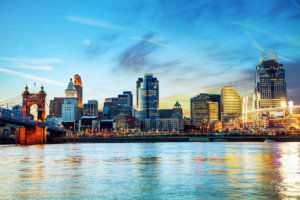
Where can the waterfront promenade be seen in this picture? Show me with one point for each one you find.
(143, 139)
(151, 139)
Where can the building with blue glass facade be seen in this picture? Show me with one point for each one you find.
(147, 90)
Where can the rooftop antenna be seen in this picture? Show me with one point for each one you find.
(34, 84)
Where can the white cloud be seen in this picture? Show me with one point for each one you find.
(87, 42)
(251, 26)
(32, 60)
(153, 41)
(95, 22)
(254, 42)
(257, 46)
(157, 42)
(23, 66)
(36, 78)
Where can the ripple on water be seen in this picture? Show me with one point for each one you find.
(151, 171)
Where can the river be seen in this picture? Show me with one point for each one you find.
(151, 171)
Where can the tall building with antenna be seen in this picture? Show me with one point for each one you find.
(270, 81)
(78, 86)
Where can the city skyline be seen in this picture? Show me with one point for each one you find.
(190, 47)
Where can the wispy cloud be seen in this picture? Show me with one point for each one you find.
(32, 60)
(251, 26)
(100, 45)
(137, 55)
(153, 41)
(95, 22)
(22, 66)
(28, 76)
(254, 42)
(259, 47)
(157, 42)
(87, 42)
(295, 3)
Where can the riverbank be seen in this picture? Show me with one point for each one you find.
(151, 139)
(174, 139)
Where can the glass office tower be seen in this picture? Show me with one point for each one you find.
(270, 81)
(147, 91)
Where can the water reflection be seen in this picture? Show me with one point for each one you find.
(151, 171)
(289, 185)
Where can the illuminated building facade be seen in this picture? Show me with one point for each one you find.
(110, 102)
(177, 111)
(205, 108)
(70, 106)
(118, 105)
(125, 98)
(170, 119)
(147, 90)
(55, 107)
(270, 81)
(90, 108)
(213, 111)
(231, 104)
(169, 124)
(78, 86)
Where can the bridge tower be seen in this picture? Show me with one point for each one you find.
(36, 134)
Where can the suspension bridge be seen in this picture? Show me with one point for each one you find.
(16, 111)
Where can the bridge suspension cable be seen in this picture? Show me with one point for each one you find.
(10, 103)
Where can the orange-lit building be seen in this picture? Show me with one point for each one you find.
(78, 86)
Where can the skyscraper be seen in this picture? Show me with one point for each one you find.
(90, 108)
(147, 90)
(111, 102)
(70, 106)
(78, 86)
(270, 81)
(205, 108)
(125, 99)
(55, 107)
(231, 104)
(130, 98)
(117, 106)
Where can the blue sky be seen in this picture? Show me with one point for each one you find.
(190, 46)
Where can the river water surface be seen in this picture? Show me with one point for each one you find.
(151, 171)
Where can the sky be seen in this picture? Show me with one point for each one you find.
(191, 46)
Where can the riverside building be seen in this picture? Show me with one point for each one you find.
(231, 104)
(147, 90)
(90, 108)
(270, 81)
(170, 119)
(70, 106)
(78, 86)
(205, 108)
